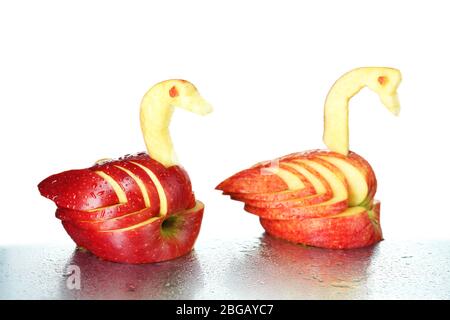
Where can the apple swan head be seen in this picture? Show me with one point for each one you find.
(385, 81)
(157, 107)
(186, 96)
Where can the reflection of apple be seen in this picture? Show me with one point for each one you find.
(302, 272)
(156, 239)
(101, 279)
(321, 198)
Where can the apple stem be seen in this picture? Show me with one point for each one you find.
(384, 81)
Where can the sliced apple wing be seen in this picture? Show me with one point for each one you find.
(132, 185)
(335, 205)
(261, 180)
(358, 173)
(173, 185)
(268, 183)
(371, 178)
(79, 190)
(354, 228)
(154, 240)
(117, 222)
(291, 176)
(146, 185)
(126, 187)
(322, 190)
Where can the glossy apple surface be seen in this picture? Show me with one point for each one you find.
(354, 228)
(153, 240)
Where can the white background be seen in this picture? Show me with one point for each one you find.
(72, 74)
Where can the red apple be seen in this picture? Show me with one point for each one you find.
(138, 208)
(154, 240)
(354, 228)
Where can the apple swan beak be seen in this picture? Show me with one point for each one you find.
(196, 104)
(392, 103)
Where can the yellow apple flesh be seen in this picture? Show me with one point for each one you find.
(383, 81)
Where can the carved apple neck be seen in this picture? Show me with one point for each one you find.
(383, 81)
(157, 107)
(156, 114)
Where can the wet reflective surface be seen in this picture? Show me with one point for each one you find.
(244, 268)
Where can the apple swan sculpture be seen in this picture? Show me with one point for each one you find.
(139, 208)
(322, 198)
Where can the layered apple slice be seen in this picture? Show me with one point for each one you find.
(267, 182)
(154, 239)
(118, 222)
(354, 228)
(81, 190)
(319, 190)
(359, 174)
(337, 182)
(330, 202)
(128, 185)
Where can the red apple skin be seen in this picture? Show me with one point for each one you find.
(144, 244)
(270, 197)
(148, 183)
(299, 213)
(281, 204)
(116, 210)
(252, 181)
(287, 202)
(352, 158)
(348, 232)
(360, 163)
(78, 190)
(174, 180)
(135, 199)
(290, 209)
(123, 221)
(101, 214)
